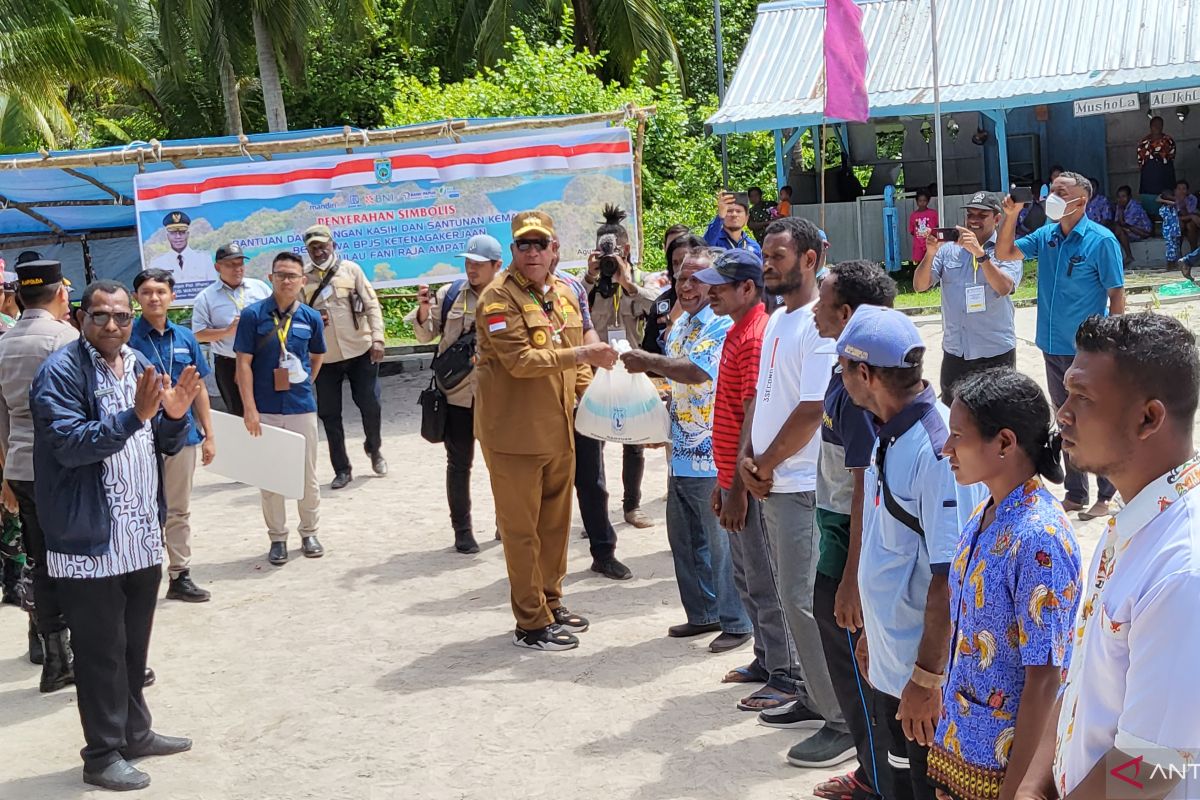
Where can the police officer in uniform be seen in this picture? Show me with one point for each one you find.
(533, 365)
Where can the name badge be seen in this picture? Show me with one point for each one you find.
(617, 335)
(326, 293)
(302, 326)
(976, 299)
(182, 350)
(106, 391)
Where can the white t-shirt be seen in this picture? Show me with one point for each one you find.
(791, 371)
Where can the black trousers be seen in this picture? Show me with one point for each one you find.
(909, 761)
(955, 368)
(1076, 482)
(110, 621)
(633, 466)
(460, 455)
(364, 389)
(855, 696)
(47, 609)
(225, 374)
(593, 496)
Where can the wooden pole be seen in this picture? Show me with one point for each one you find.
(639, 140)
(155, 152)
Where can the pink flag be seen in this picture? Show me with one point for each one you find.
(845, 62)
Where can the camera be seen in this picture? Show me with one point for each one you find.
(608, 247)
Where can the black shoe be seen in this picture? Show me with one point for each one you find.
(119, 776)
(378, 464)
(728, 641)
(58, 668)
(279, 554)
(791, 715)
(36, 654)
(825, 748)
(551, 637)
(465, 543)
(341, 480)
(611, 568)
(572, 622)
(150, 678)
(157, 745)
(311, 547)
(688, 629)
(182, 588)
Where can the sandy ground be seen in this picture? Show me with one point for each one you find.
(384, 670)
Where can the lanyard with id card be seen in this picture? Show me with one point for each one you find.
(617, 332)
(282, 374)
(976, 296)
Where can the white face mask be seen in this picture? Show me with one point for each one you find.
(1056, 207)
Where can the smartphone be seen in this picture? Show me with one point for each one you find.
(946, 234)
(1021, 194)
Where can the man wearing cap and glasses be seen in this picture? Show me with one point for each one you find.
(190, 267)
(451, 314)
(40, 331)
(978, 328)
(339, 290)
(532, 368)
(215, 315)
(912, 518)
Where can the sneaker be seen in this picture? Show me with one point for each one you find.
(825, 748)
(791, 715)
(611, 568)
(572, 622)
(551, 637)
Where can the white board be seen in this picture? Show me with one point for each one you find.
(273, 461)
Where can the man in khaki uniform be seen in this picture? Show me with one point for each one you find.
(533, 365)
(339, 290)
(451, 314)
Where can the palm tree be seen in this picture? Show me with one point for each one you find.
(203, 26)
(47, 46)
(481, 28)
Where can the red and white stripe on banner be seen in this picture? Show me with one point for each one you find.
(610, 147)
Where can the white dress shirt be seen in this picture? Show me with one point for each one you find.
(1131, 683)
(131, 484)
(192, 270)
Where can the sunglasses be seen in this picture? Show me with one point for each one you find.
(524, 245)
(102, 318)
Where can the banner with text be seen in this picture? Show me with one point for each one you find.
(404, 215)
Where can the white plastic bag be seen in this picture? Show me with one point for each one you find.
(622, 407)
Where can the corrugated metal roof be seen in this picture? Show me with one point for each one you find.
(992, 55)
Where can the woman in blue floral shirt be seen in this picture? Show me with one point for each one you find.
(1014, 589)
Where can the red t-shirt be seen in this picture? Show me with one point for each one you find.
(737, 380)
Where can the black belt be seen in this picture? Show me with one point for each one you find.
(227, 358)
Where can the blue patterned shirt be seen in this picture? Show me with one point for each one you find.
(700, 339)
(1014, 591)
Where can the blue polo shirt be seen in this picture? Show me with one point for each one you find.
(717, 236)
(1075, 273)
(170, 352)
(256, 335)
(896, 563)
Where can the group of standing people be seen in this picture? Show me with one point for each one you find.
(103, 416)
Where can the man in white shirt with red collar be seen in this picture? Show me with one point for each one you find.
(1129, 723)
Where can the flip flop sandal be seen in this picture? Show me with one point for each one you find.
(774, 698)
(841, 788)
(746, 674)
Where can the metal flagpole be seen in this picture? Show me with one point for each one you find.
(721, 90)
(937, 114)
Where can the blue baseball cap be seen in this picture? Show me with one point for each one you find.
(732, 266)
(881, 337)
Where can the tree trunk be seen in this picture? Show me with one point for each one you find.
(268, 75)
(585, 27)
(229, 96)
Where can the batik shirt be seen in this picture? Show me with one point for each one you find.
(1136, 647)
(1014, 589)
(699, 338)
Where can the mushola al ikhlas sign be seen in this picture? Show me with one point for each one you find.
(403, 215)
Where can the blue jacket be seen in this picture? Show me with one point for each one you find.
(71, 441)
